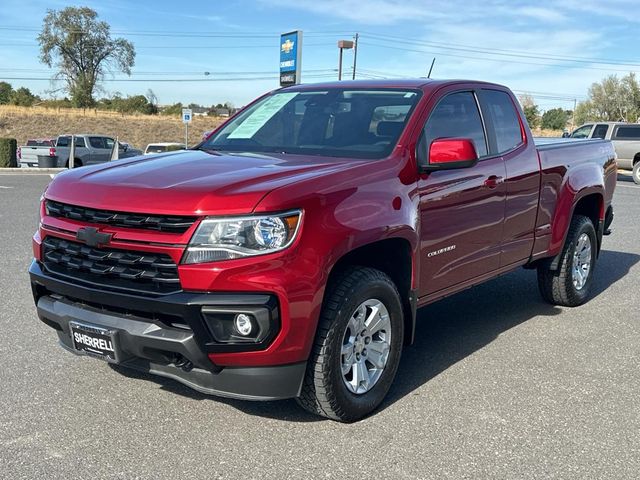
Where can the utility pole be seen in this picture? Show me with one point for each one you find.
(355, 55)
(573, 115)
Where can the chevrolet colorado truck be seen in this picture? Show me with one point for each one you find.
(287, 254)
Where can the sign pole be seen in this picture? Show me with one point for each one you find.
(187, 116)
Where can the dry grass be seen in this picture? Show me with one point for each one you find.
(539, 132)
(22, 123)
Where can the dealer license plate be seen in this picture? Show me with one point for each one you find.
(95, 341)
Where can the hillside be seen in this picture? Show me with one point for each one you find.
(138, 130)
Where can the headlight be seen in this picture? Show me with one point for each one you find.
(228, 238)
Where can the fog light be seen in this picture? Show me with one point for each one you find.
(243, 324)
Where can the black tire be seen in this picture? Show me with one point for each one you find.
(636, 172)
(324, 391)
(556, 286)
(76, 163)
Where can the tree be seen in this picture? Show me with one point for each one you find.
(555, 119)
(175, 109)
(80, 48)
(23, 97)
(585, 112)
(137, 103)
(613, 99)
(5, 92)
(153, 100)
(530, 110)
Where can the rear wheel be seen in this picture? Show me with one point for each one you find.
(636, 172)
(570, 283)
(357, 347)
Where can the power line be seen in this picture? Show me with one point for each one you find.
(184, 47)
(498, 60)
(177, 80)
(163, 33)
(204, 71)
(499, 51)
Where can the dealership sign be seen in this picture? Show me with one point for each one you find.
(290, 56)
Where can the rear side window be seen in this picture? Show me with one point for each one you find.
(600, 131)
(628, 132)
(457, 116)
(505, 119)
(96, 142)
(63, 141)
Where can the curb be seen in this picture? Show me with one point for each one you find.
(31, 170)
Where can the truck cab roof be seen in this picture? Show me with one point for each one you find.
(388, 83)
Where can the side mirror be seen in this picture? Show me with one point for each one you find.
(450, 153)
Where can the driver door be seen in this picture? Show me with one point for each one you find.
(462, 211)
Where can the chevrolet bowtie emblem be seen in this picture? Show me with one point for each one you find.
(92, 237)
(287, 46)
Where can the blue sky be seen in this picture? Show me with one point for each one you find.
(553, 49)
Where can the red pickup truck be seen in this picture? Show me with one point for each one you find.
(286, 255)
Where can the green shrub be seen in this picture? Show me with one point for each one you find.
(8, 147)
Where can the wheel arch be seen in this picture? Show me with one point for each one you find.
(394, 257)
(590, 203)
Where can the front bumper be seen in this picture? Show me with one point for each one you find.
(164, 335)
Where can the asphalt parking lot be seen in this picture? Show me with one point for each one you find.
(498, 385)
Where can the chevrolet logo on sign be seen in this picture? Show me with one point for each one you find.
(287, 46)
(92, 237)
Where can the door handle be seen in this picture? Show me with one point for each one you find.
(493, 181)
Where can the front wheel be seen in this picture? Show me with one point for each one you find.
(636, 172)
(570, 283)
(357, 347)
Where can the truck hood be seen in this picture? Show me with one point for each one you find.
(189, 182)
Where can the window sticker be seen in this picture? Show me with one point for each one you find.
(254, 122)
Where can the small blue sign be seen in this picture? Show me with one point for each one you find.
(187, 115)
(290, 55)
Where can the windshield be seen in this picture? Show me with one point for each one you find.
(334, 122)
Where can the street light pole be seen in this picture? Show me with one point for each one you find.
(342, 44)
(355, 56)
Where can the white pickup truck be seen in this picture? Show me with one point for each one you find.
(90, 149)
(625, 138)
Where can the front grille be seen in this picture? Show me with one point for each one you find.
(161, 223)
(113, 269)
